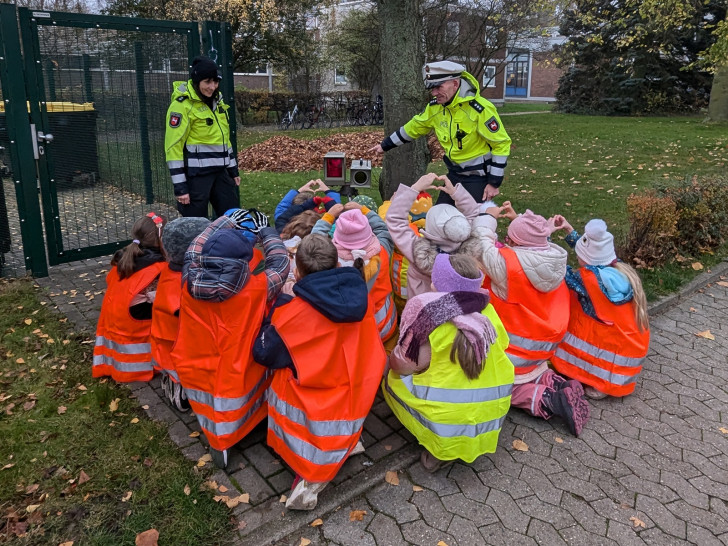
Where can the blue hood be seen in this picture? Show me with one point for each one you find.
(338, 294)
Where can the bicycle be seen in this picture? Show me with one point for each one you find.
(316, 116)
(290, 118)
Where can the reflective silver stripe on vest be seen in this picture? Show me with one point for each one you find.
(389, 326)
(497, 171)
(447, 430)
(602, 354)
(224, 428)
(101, 360)
(519, 362)
(207, 148)
(175, 164)
(381, 313)
(478, 160)
(532, 344)
(207, 162)
(317, 428)
(305, 450)
(456, 396)
(219, 403)
(179, 178)
(611, 377)
(124, 348)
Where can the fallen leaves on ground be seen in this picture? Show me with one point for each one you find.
(637, 522)
(391, 477)
(194, 434)
(187, 490)
(706, 334)
(232, 502)
(317, 522)
(722, 283)
(357, 515)
(114, 404)
(206, 458)
(441, 543)
(723, 430)
(67, 543)
(147, 538)
(697, 266)
(520, 445)
(304, 542)
(558, 440)
(285, 154)
(83, 478)
(126, 496)
(62, 410)
(417, 488)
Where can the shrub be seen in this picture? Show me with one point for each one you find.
(676, 219)
(652, 230)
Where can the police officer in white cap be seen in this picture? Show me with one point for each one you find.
(468, 127)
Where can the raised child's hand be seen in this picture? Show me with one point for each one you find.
(507, 211)
(352, 205)
(337, 209)
(426, 182)
(559, 222)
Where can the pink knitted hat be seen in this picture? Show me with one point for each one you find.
(530, 230)
(352, 231)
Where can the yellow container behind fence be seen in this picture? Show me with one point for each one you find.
(61, 106)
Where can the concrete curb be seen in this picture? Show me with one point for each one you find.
(293, 520)
(703, 279)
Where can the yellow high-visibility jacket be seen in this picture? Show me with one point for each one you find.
(197, 137)
(468, 128)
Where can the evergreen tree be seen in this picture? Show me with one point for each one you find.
(632, 57)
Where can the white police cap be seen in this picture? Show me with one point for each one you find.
(435, 73)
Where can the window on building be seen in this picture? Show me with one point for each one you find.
(340, 77)
(489, 76)
(490, 38)
(517, 75)
(452, 31)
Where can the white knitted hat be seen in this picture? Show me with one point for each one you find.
(446, 226)
(596, 246)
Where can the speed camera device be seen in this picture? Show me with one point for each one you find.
(361, 173)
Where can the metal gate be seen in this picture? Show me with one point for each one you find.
(91, 137)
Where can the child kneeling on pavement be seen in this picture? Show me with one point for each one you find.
(329, 358)
(450, 380)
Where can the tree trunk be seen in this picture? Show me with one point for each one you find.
(402, 90)
(718, 107)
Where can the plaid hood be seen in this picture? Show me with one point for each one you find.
(216, 263)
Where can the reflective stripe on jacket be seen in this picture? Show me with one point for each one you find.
(609, 356)
(214, 362)
(316, 418)
(536, 321)
(380, 290)
(123, 349)
(165, 320)
(197, 140)
(452, 416)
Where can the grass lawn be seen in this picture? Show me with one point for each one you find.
(58, 430)
(579, 166)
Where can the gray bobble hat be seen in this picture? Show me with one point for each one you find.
(177, 236)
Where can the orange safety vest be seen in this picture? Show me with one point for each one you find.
(122, 347)
(315, 420)
(398, 269)
(535, 321)
(165, 320)
(607, 357)
(380, 289)
(213, 357)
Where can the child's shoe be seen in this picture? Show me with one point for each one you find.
(220, 458)
(431, 463)
(305, 495)
(591, 392)
(569, 404)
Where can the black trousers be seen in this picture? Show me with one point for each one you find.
(475, 189)
(216, 188)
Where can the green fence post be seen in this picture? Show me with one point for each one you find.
(143, 122)
(88, 83)
(21, 144)
(51, 80)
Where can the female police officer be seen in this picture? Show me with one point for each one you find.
(200, 156)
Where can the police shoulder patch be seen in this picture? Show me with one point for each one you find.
(175, 119)
(476, 106)
(492, 125)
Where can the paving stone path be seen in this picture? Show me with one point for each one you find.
(651, 468)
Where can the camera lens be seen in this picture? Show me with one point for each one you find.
(360, 177)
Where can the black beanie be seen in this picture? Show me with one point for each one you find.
(177, 236)
(202, 69)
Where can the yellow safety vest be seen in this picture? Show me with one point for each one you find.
(451, 416)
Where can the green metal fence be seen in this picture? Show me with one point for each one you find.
(98, 88)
